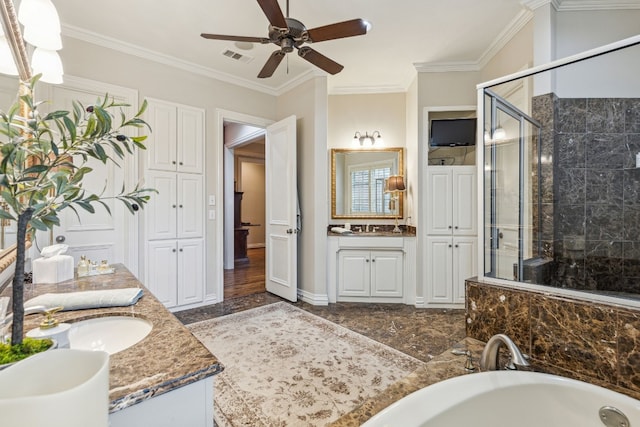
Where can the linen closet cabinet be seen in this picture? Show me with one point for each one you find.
(174, 217)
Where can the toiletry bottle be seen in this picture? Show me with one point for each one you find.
(83, 266)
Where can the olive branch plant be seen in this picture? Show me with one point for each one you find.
(44, 161)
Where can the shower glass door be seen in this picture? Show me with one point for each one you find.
(510, 176)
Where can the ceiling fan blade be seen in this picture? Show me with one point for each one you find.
(354, 27)
(319, 60)
(235, 38)
(273, 12)
(271, 64)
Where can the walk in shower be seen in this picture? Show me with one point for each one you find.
(561, 178)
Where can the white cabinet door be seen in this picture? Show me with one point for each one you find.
(464, 264)
(386, 273)
(161, 144)
(190, 206)
(353, 273)
(162, 271)
(161, 211)
(190, 150)
(439, 201)
(190, 271)
(464, 201)
(440, 269)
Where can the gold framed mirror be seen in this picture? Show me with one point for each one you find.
(358, 183)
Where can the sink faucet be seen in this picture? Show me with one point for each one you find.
(5, 321)
(489, 358)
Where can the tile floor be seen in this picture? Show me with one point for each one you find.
(421, 333)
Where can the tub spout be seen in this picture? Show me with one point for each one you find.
(490, 355)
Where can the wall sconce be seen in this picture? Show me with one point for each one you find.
(41, 29)
(395, 184)
(371, 139)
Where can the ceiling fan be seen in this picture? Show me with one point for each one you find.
(289, 33)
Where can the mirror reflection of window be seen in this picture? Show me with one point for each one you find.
(367, 188)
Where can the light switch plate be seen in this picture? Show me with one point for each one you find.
(212, 200)
(212, 214)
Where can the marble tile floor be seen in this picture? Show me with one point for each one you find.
(421, 333)
(426, 334)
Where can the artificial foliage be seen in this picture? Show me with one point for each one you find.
(43, 161)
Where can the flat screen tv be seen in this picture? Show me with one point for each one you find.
(453, 132)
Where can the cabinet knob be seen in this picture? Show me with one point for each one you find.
(449, 227)
(373, 260)
(173, 162)
(449, 245)
(173, 250)
(456, 227)
(456, 246)
(180, 206)
(367, 260)
(173, 206)
(181, 163)
(181, 250)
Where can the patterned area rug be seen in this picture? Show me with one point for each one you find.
(287, 367)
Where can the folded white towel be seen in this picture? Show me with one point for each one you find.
(87, 299)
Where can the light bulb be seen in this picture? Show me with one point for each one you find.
(41, 24)
(7, 64)
(49, 64)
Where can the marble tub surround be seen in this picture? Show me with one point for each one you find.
(592, 342)
(166, 359)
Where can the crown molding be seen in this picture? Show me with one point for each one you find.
(582, 5)
(131, 49)
(509, 32)
(498, 43)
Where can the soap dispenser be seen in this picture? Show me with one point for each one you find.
(50, 328)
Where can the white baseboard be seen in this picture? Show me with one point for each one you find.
(313, 299)
(420, 302)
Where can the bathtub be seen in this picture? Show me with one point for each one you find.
(509, 398)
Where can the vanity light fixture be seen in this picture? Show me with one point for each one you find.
(395, 184)
(370, 139)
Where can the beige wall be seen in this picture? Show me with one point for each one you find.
(516, 55)
(367, 113)
(253, 200)
(155, 80)
(308, 102)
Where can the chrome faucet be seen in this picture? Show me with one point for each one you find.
(490, 355)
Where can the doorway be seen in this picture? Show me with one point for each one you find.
(244, 247)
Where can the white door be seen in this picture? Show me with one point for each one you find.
(354, 273)
(161, 211)
(190, 206)
(190, 271)
(464, 201)
(191, 130)
(282, 232)
(100, 236)
(440, 269)
(439, 194)
(464, 264)
(162, 271)
(386, 273)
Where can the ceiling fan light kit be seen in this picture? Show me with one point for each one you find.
(289, 34)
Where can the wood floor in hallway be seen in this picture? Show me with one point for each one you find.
(246, 278)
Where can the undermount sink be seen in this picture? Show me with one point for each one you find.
(111, 334)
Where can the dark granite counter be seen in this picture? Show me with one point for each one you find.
(168, 358)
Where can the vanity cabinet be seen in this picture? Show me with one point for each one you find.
(363, 273)
(177, 141)
(363, 268)
(174, 217)
(451, 240)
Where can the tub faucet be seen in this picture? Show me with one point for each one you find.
(490, 355)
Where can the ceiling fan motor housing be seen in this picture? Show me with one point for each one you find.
(288, 38)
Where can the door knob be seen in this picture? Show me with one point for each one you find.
(289, 231)
(60, 239)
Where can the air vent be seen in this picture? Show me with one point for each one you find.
(237, 56)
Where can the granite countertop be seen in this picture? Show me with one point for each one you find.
(168, 358)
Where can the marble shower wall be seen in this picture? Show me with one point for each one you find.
(593, 342)
(591, 191)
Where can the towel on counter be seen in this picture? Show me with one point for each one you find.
(87, 299)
